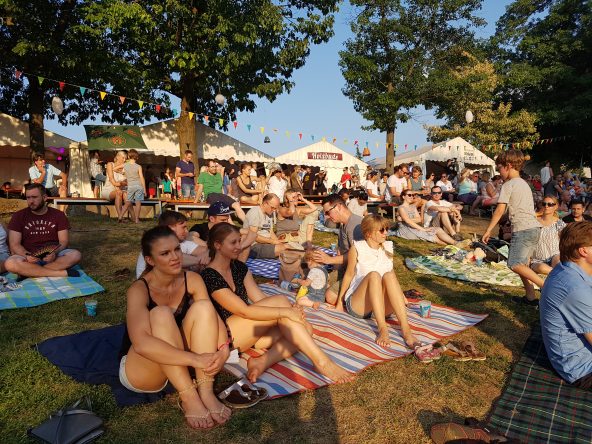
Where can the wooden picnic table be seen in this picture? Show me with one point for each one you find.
(100, 203)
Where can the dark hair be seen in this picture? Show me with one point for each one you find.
(362, 195)
(151, 236)
(268, 197)
(344, 191)
(576, 202)
(188, 152)
(244, 165)
(333, 199)
(573, 237)
(436, 186)
(133, 154)
(38, 156)
(169, 217)
(36, 186)
(218, 233)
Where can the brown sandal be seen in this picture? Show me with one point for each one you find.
(476, 355)
(455, 353)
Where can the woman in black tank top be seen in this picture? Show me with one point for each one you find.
(171, 325)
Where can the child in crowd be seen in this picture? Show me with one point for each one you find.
(317, 283)
(136, 186)
(166, 181)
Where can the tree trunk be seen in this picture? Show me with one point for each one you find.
(390, 151)
(36, 140)
(186, 129)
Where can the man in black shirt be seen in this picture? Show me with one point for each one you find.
(218, 212)
(577, 212)
(232, 169)
(308, 181)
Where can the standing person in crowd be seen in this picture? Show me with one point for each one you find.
(321, 183)
(516, 196)
(566, 317)
(43, 173)
(345, 180)
(295, 181)
(489, 192)
(553, 187)
(372, 187)
(185, 169)
(97, 178)
(546, 173)
(294, 222)
(546, 253)
(38, 239)
(259, 220)
(136, 187)
(254, 319)
(396, 183)
(576, 213)
(166, 181)
(277, 184)
(172, 328)
(308, 182)
(467, 186)
(370, 286)
(446, 186)
(116, 182)
(443, 214)
(411, 226)
(246, 190)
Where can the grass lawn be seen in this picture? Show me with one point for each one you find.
(394, 402)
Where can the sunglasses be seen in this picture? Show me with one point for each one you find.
(410, 195)
(382, 230)
(548, 204)
(329, 210)
(406, 173)
(436, 192)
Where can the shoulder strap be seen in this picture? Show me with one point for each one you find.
(147, 288)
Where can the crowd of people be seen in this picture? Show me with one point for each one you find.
(195, 299)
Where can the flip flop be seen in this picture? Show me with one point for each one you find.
(236, 397)
(476, 355)
(451, 432)
(424, 353)
(455, 353)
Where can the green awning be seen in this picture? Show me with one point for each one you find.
(114, 137)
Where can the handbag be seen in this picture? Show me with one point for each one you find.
(71, 425)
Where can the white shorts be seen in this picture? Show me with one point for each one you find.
(125, 382)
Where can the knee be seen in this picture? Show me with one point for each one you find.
(279, 301)
(201, 309)
(374, 276)
(389, 275)
(13, 263)
(74, 255)
(161, 316)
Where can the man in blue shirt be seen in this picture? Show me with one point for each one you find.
(186, 171)
(566, 307)
(44, 174)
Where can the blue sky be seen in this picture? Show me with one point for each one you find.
(316, 106)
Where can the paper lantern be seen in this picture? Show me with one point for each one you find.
(220, 99)
(57, 105)
(366, 152)
(469, 116)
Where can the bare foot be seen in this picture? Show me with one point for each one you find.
(255, 367)
(220, 413)
(196, 414)
(411, 341)
(383, 337)
(335, 373)
(316, 305)
(329, 306)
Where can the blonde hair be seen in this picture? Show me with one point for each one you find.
(466, 172)
(556, 201)
(372, 223)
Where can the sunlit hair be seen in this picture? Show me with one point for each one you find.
(170, 217)
(218, 233)
(150, 237)
(514, 157)
(555, 201)
(133, 154)
(573, 237)
(121, 155)
(464, 174)
(416, 169)
(486, 175)
(372, 223)
(288, 191)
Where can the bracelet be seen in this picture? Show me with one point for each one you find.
(225, 344)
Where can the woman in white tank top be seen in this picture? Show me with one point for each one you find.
(370, 286)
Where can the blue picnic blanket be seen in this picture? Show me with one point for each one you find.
(270, 268)
(39, 291)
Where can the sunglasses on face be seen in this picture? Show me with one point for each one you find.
(406, 173)
(434, 193)
(329, 210)
(548, 204)
(382, 230)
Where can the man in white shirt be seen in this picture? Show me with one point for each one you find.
(372, 187)
(443, 214)
(546, 173)
(396, 183)
(44, 173)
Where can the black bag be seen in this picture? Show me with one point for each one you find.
(490, 249)
(70, 425)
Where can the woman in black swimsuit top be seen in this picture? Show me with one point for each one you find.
(171, 325)
(254, 319)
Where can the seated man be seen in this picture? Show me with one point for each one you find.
(442, 213)
(566, 307)
(259, 221)
(220, 212)
(210, 183)
(38, 239)
(577, 212)
(194, 256)
(44, 173)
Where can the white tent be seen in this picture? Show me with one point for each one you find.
(324, 155)
(465, 153)
(16, 158)
(161, 138)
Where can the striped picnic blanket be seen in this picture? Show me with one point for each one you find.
(538, 406)
(320, 227)
(270, 268)
(350, 343)
(39, 291)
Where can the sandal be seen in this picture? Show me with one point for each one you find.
(476, 355)
(242, 394)
(455, 353)
(187, 416)
(451, 432)
(424, 353)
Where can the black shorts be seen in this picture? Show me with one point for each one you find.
(52, 192)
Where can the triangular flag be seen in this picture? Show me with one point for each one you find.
(355, 142)
(140, 103)
(287, 133)
(102, 94)
(122, 99)
(324, 138)
(82, 90)
(397, 146)
(221, 122)
(345, 141)
(157, 108)
(376, 144)
(366, 144)
(40, 79)
(190, 115)
(206, 118)
(18, 74)
(62, 85)
(300, 136)
(415, 147)
(312, 137)
(334, 140)
(249, 127)
(262, 129)
(235, 123)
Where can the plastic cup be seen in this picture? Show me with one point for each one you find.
(479, 262)
(91, 307)
(334, 247)
(425, 309)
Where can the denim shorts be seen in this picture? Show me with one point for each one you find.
(522, 246)
(188, 190)
(351, 312)
(135, 193)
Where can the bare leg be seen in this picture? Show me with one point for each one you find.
(445, 221)
(476, 204)
(125, 208)
(444, 237)
(541, 268)
(528, 277)
(137, 208)
(396, 304)
(306, 302)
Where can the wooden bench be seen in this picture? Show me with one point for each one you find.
(384, 208)
(100, 203)
(11, 193)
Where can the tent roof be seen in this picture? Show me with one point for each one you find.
(440, 152)
(15, 132)
(161, 138)
(301, 156)
(114, 137)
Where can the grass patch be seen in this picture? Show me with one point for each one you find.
(397, 401)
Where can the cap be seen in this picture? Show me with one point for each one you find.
(219, 209)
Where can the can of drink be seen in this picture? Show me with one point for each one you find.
(425, 309)
(286, 285)
(334, 247)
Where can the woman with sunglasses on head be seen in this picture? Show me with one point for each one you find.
(296, 223)
(546, 254)
(370, 286)
(254, 319)
(411, 224)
